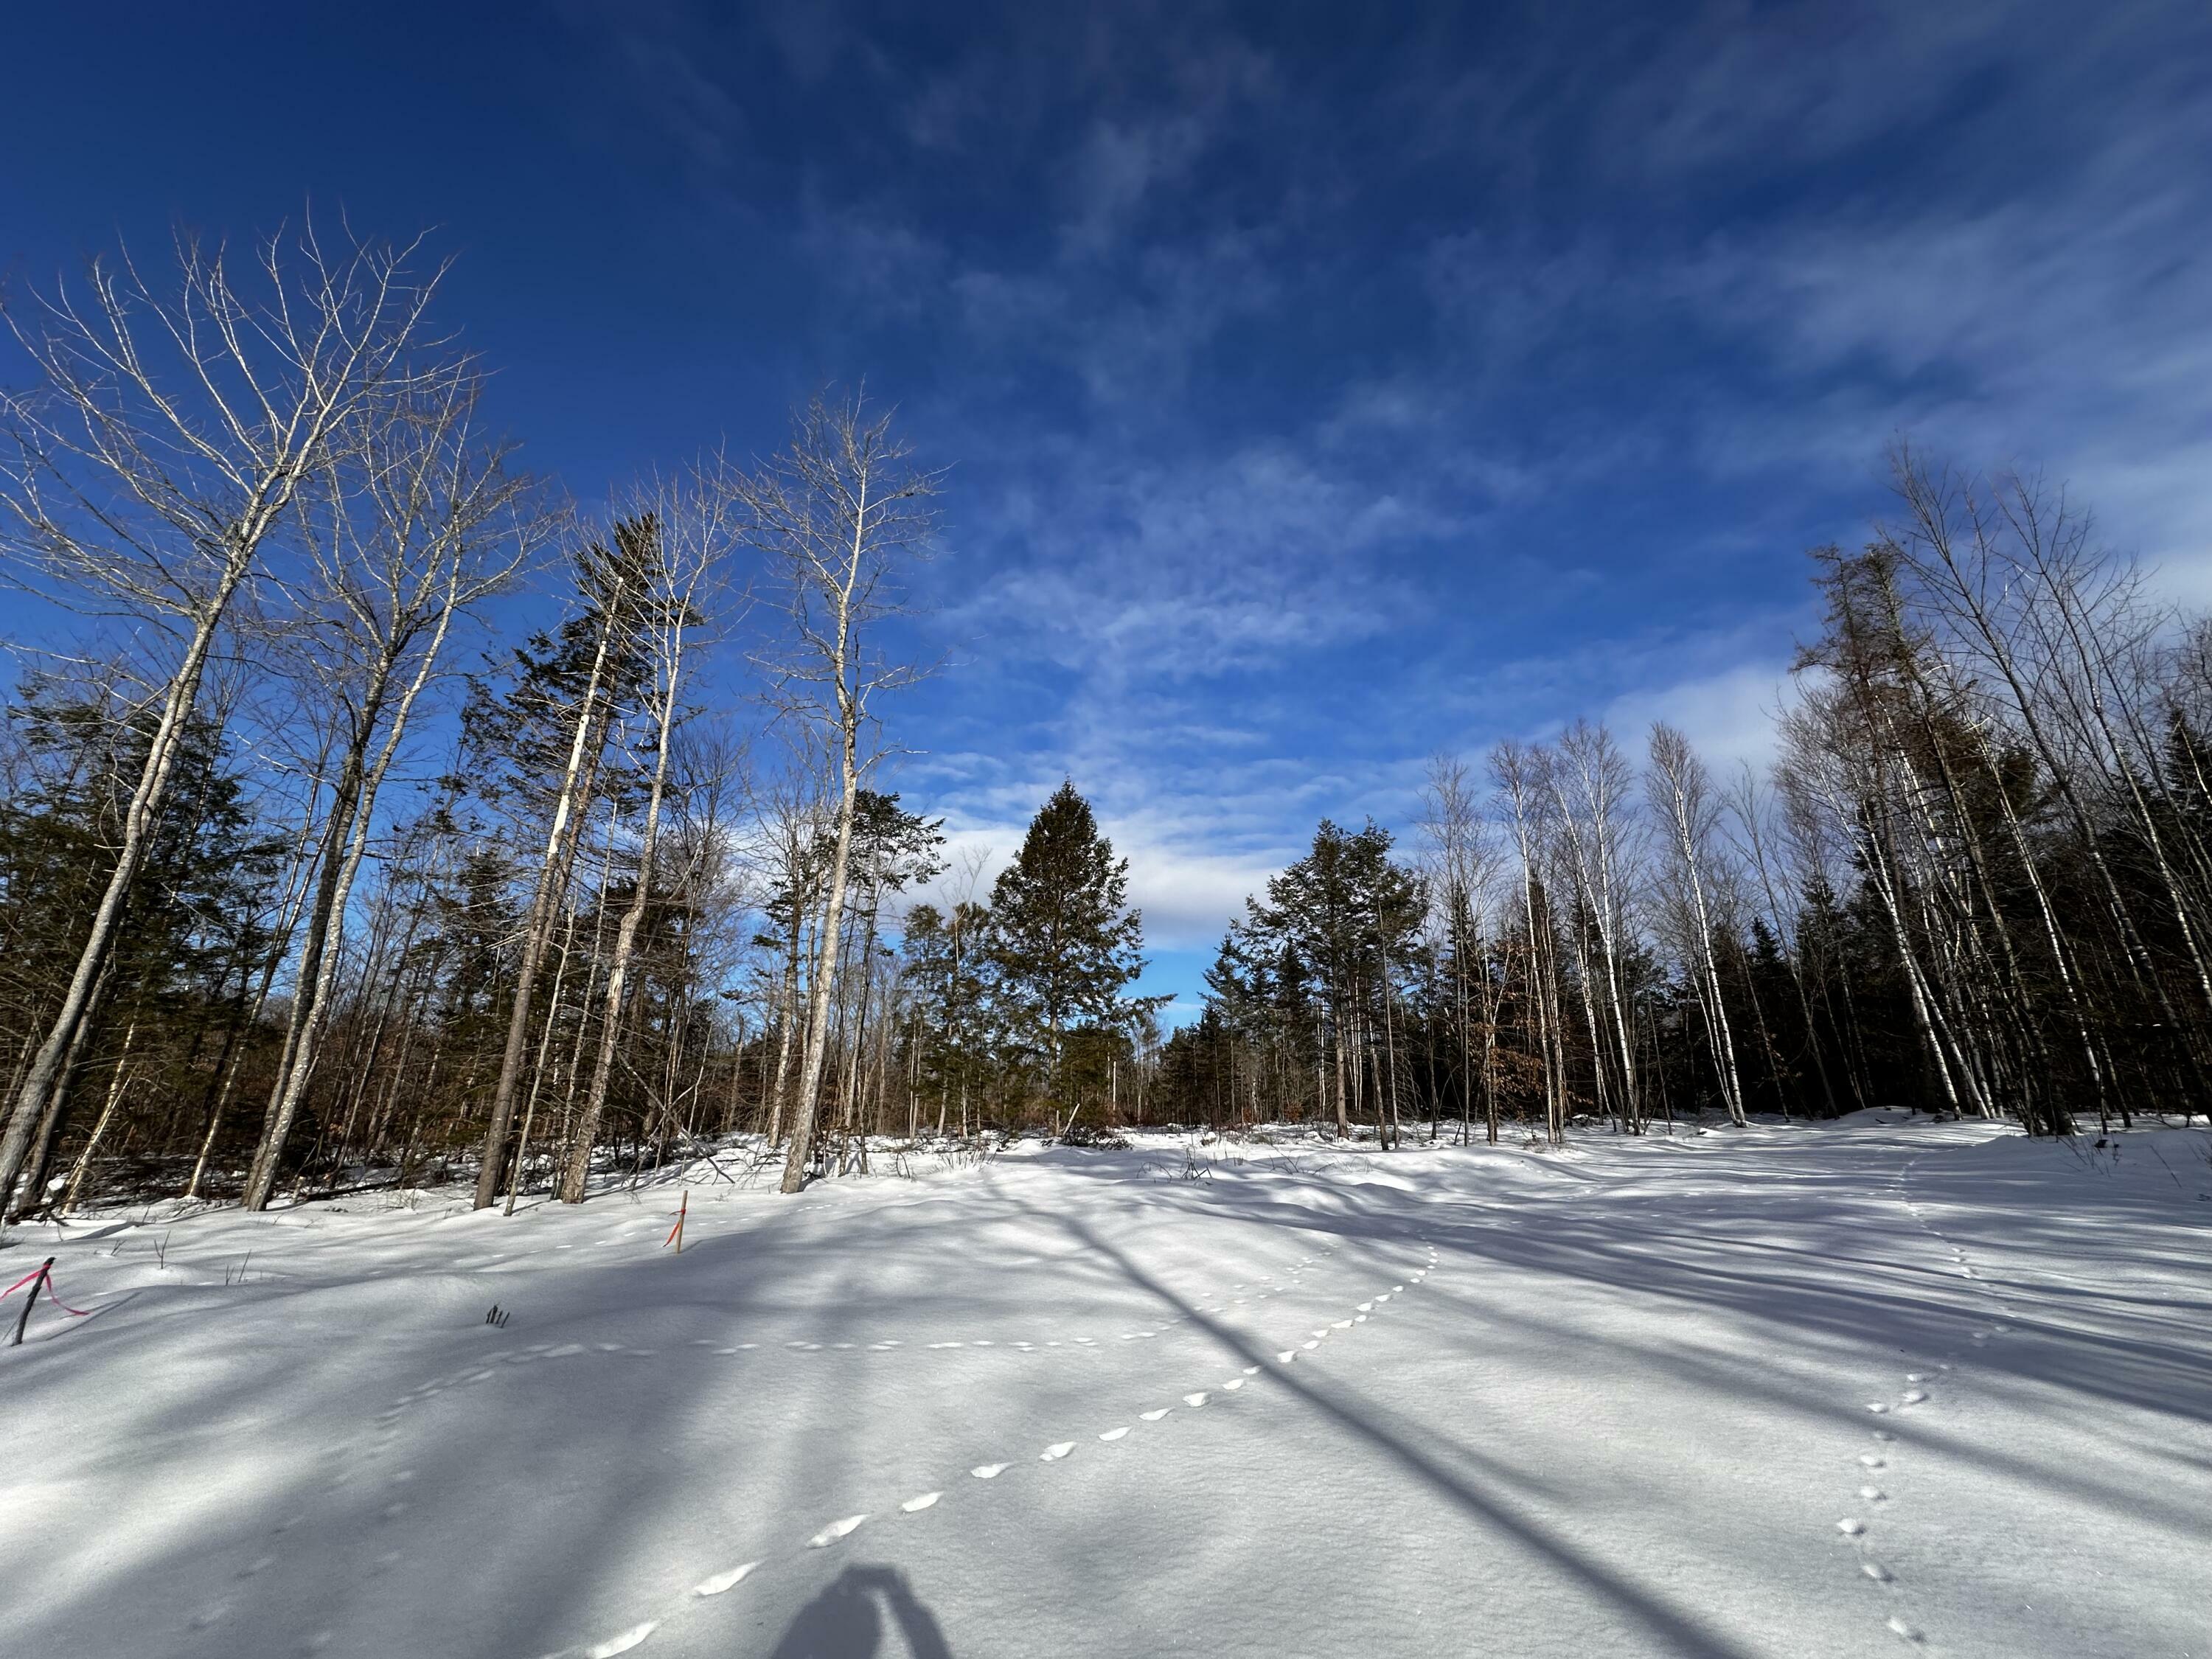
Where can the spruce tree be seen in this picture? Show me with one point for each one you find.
(946, 968)
(195, 928)
(1064, 942)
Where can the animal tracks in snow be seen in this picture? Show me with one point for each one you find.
(1206, 1303)
(835, 1531)
(386, 1425)
(1915, 1393)
(723, 1581)
(1060, 1451)
(634, 1636)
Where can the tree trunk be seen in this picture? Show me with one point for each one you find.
(146, 795)
(539, 926)
(588, 1128)
(115, 1089)
(353, 810)
(826, 969)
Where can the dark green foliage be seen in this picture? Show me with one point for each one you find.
(195, 913)
(518, 726)
(199, 926)
(1313, 1000)
(949, 975)
(1064, 943)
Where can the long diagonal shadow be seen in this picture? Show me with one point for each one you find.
(1676, 1629)
(2105, 1367)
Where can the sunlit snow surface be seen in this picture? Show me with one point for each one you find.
(1780, 1391)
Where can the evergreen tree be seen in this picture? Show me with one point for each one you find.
(194, 914)
(945, 967)
(1349, 916)
(195, 927)
(1064, 943)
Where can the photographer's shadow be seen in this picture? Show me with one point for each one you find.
(847, 1620)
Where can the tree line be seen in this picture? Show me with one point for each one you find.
(308, 880)
(1978, 879)
(313, 874)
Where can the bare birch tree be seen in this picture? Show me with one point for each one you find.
(838, 511)
(790, 818)
(1588, 779)
(609, 584)
(1681, 796)
(1464, 860)
(168, 442)
(1519, 773)
(418, 525)
(692, 535)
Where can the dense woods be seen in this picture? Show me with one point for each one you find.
(1976, 881)
(365, 817)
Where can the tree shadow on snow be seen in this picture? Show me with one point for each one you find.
(1669, 1629)
(847, 1620)
(1793, 1257)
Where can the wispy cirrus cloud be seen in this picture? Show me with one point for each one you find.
(1319, 403)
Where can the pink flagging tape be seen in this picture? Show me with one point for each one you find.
(20, 1283)
(82, 1313)
(676, 1233)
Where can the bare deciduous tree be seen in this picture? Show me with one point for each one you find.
(416, 525)
(692, 535)
(611, 586)
(1464, 854)
(172, 431)
(838, 511)
(1681, 796)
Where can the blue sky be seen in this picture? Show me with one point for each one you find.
(1324, 386)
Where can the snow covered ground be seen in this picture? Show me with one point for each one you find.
(1780, 1391)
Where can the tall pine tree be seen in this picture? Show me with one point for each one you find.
(1064, 942)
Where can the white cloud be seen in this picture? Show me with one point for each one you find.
(1146, 572)
(1116, 168)
(1188, 889)
(1727, 716)
(1138, 527)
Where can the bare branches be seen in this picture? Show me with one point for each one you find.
(416, 523)
(694, 530)
(172, 434)
(174, 423)
(1681, 796)
(838, 513)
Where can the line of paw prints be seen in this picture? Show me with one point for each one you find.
(385, 1428)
